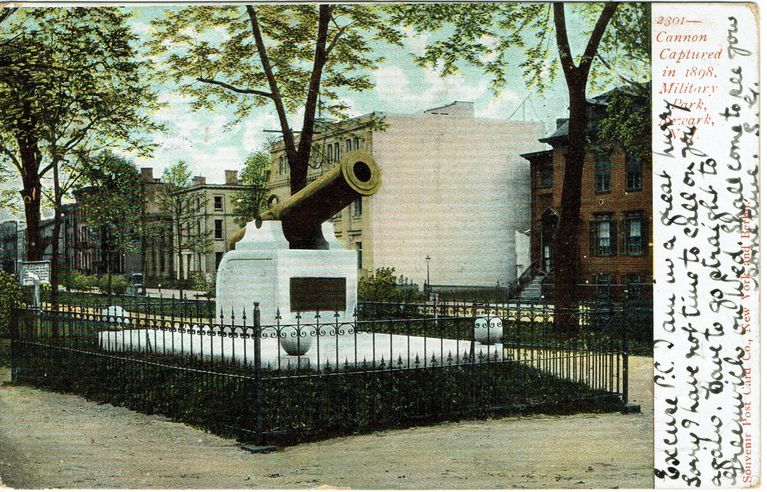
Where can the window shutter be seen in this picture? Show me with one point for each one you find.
(613, 237)
(593, 238)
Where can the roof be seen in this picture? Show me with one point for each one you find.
(602, 100)
(561, 132)
(539, 153)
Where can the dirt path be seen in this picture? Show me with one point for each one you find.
(48, 440)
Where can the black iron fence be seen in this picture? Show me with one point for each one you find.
(306, 376)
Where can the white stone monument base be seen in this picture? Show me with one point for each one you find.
(334, 352)
(260, 270)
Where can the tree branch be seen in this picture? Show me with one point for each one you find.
(563, 43)
(320, 57)
(287, 134)
(236, 89)
(596, 36)
(624, 79)
(6, 12)
(13, 157)
(336, 37)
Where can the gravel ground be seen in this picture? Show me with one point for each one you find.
(50, 440)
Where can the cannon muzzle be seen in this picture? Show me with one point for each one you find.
(302, 214)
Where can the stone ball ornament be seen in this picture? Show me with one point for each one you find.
(116, 314)
(488, 331)
(295, 343)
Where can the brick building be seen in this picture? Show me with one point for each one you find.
(615, 233)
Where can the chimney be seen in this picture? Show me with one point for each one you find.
(231, 177)
(198, 180)
(147, 174)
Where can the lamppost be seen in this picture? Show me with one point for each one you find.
(428, 279)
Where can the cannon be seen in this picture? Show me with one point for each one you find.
(302, 214)
(282, 261)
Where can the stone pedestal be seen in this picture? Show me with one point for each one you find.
(263, 269)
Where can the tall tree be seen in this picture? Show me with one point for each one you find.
(111, 193)
(185, 209)
(288, 56)
(486, 35)
(254, 175)
(73, 86)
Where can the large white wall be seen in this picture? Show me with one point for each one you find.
(456, 189)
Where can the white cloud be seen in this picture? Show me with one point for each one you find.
(415, 42)
(399, 88)
(501, 106)
(252, 135)
(453, 87)
(141, 28)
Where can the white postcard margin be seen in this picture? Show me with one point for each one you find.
(706, 241)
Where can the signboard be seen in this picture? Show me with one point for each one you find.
(40, 268)
(317, 294)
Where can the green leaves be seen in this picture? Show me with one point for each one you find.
(492, 35)
(112, 195)
(210, 52)
(71, 85)
(255, 175)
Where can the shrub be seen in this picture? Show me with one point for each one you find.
(201, 283)
(382, 286)
(11, 296)
(116, 285)
(80, 281)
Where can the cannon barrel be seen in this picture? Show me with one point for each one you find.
(302, 214)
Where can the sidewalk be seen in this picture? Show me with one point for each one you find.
(49, 440)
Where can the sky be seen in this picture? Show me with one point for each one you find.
(199, 137)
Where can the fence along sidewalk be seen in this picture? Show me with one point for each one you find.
(375, 371)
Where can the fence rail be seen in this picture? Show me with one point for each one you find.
(297, 377)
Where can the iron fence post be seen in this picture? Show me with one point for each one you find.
(257, 366)
(625, 360)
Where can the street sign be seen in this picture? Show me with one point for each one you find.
(40, 268)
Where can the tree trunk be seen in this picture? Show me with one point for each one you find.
(567, 257)
(55, 241)
(31, 196)
(312, 238)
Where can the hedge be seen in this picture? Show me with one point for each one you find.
(303, 406)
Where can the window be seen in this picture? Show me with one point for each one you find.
(634, 174)
(357, 207)
(219, 256)
(329, 152)
(218, 202)
(283, 166)
(336, 152)
(545, 175)
(602, 235)
(357, 141)
(634, 234)
(219, 230)
(602, 174)
(359, 255)
(632, 282)
(602, 283)
(348, 144)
